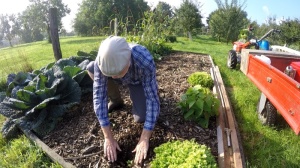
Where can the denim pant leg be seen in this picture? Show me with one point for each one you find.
(137, 96)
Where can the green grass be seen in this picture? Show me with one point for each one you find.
(22, 153)
(39, 54)
(264, 147)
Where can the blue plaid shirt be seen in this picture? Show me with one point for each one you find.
(141, 71)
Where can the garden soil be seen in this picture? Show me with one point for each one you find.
(79, 140)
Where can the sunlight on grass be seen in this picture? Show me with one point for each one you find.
(39, 54)
(22, 153)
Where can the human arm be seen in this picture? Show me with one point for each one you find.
(110, 144)
(142, 147)
(144, 61)
(100, 106)
(152, 111)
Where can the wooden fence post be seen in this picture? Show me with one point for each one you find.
(54, 33)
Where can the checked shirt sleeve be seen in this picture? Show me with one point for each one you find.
(145, 60)
(100, 96)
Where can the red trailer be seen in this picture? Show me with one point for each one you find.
(277, 76)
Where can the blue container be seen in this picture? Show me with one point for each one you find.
(264, 45)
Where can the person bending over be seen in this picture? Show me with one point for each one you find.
(117, 63)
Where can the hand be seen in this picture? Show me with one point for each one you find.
(110, 146)
(141, 151)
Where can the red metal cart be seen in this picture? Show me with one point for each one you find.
(277, 76)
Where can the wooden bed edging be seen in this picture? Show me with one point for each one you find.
(51, 153)
(230, 151)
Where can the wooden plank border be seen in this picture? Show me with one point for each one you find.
(230, 151)
(51, 153)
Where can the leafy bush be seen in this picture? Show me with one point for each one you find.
(37, 100)
(171, 39)
(199, 104)
(183, 154)
(156, 47)
(152, 35)
(201, 78)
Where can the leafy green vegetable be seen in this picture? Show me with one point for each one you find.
(10, 129)
(37, 101)
(201, 78)
(183, 154)
(199, 104)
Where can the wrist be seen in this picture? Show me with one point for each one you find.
(107, 133)
(146, 134)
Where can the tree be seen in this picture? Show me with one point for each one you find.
(163, 10)
(164, 17)
(37, 15)
(228, 20)
(8, 27)
(290, 30)
(216, 24)
(101, 13)
(188, 17)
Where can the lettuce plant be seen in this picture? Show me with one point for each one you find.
(201, 78)
(199, 104)
(37, 100)
(183, 154)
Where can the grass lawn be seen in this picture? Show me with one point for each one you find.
(263, 146)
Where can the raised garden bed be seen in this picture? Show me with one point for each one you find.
(78, 138)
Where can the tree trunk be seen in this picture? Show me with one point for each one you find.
(54, 34)
(9, 40)
(10, 43)
(49, 33)
(190, 36)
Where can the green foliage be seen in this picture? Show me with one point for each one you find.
(8, 28)
(37, 55)
(188, 16)
(35, 19)
(290, 31)
(171, 39)
(22, 153)
(152, 36)
(199, 104)
(101, 14)
(93, 54)
(157, 47)
(227, 20)
(36, 101)
(201, 78)
(183, 154)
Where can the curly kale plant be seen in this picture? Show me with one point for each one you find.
(201, 78)
(199, 104)
(183, 154)
(37, 101)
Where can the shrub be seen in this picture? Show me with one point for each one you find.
(171, 39)
(152, 35)
(199, 104)
(201, 78)
(183, 154)
(156, 46)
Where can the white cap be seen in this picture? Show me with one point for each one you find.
(113, 56)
